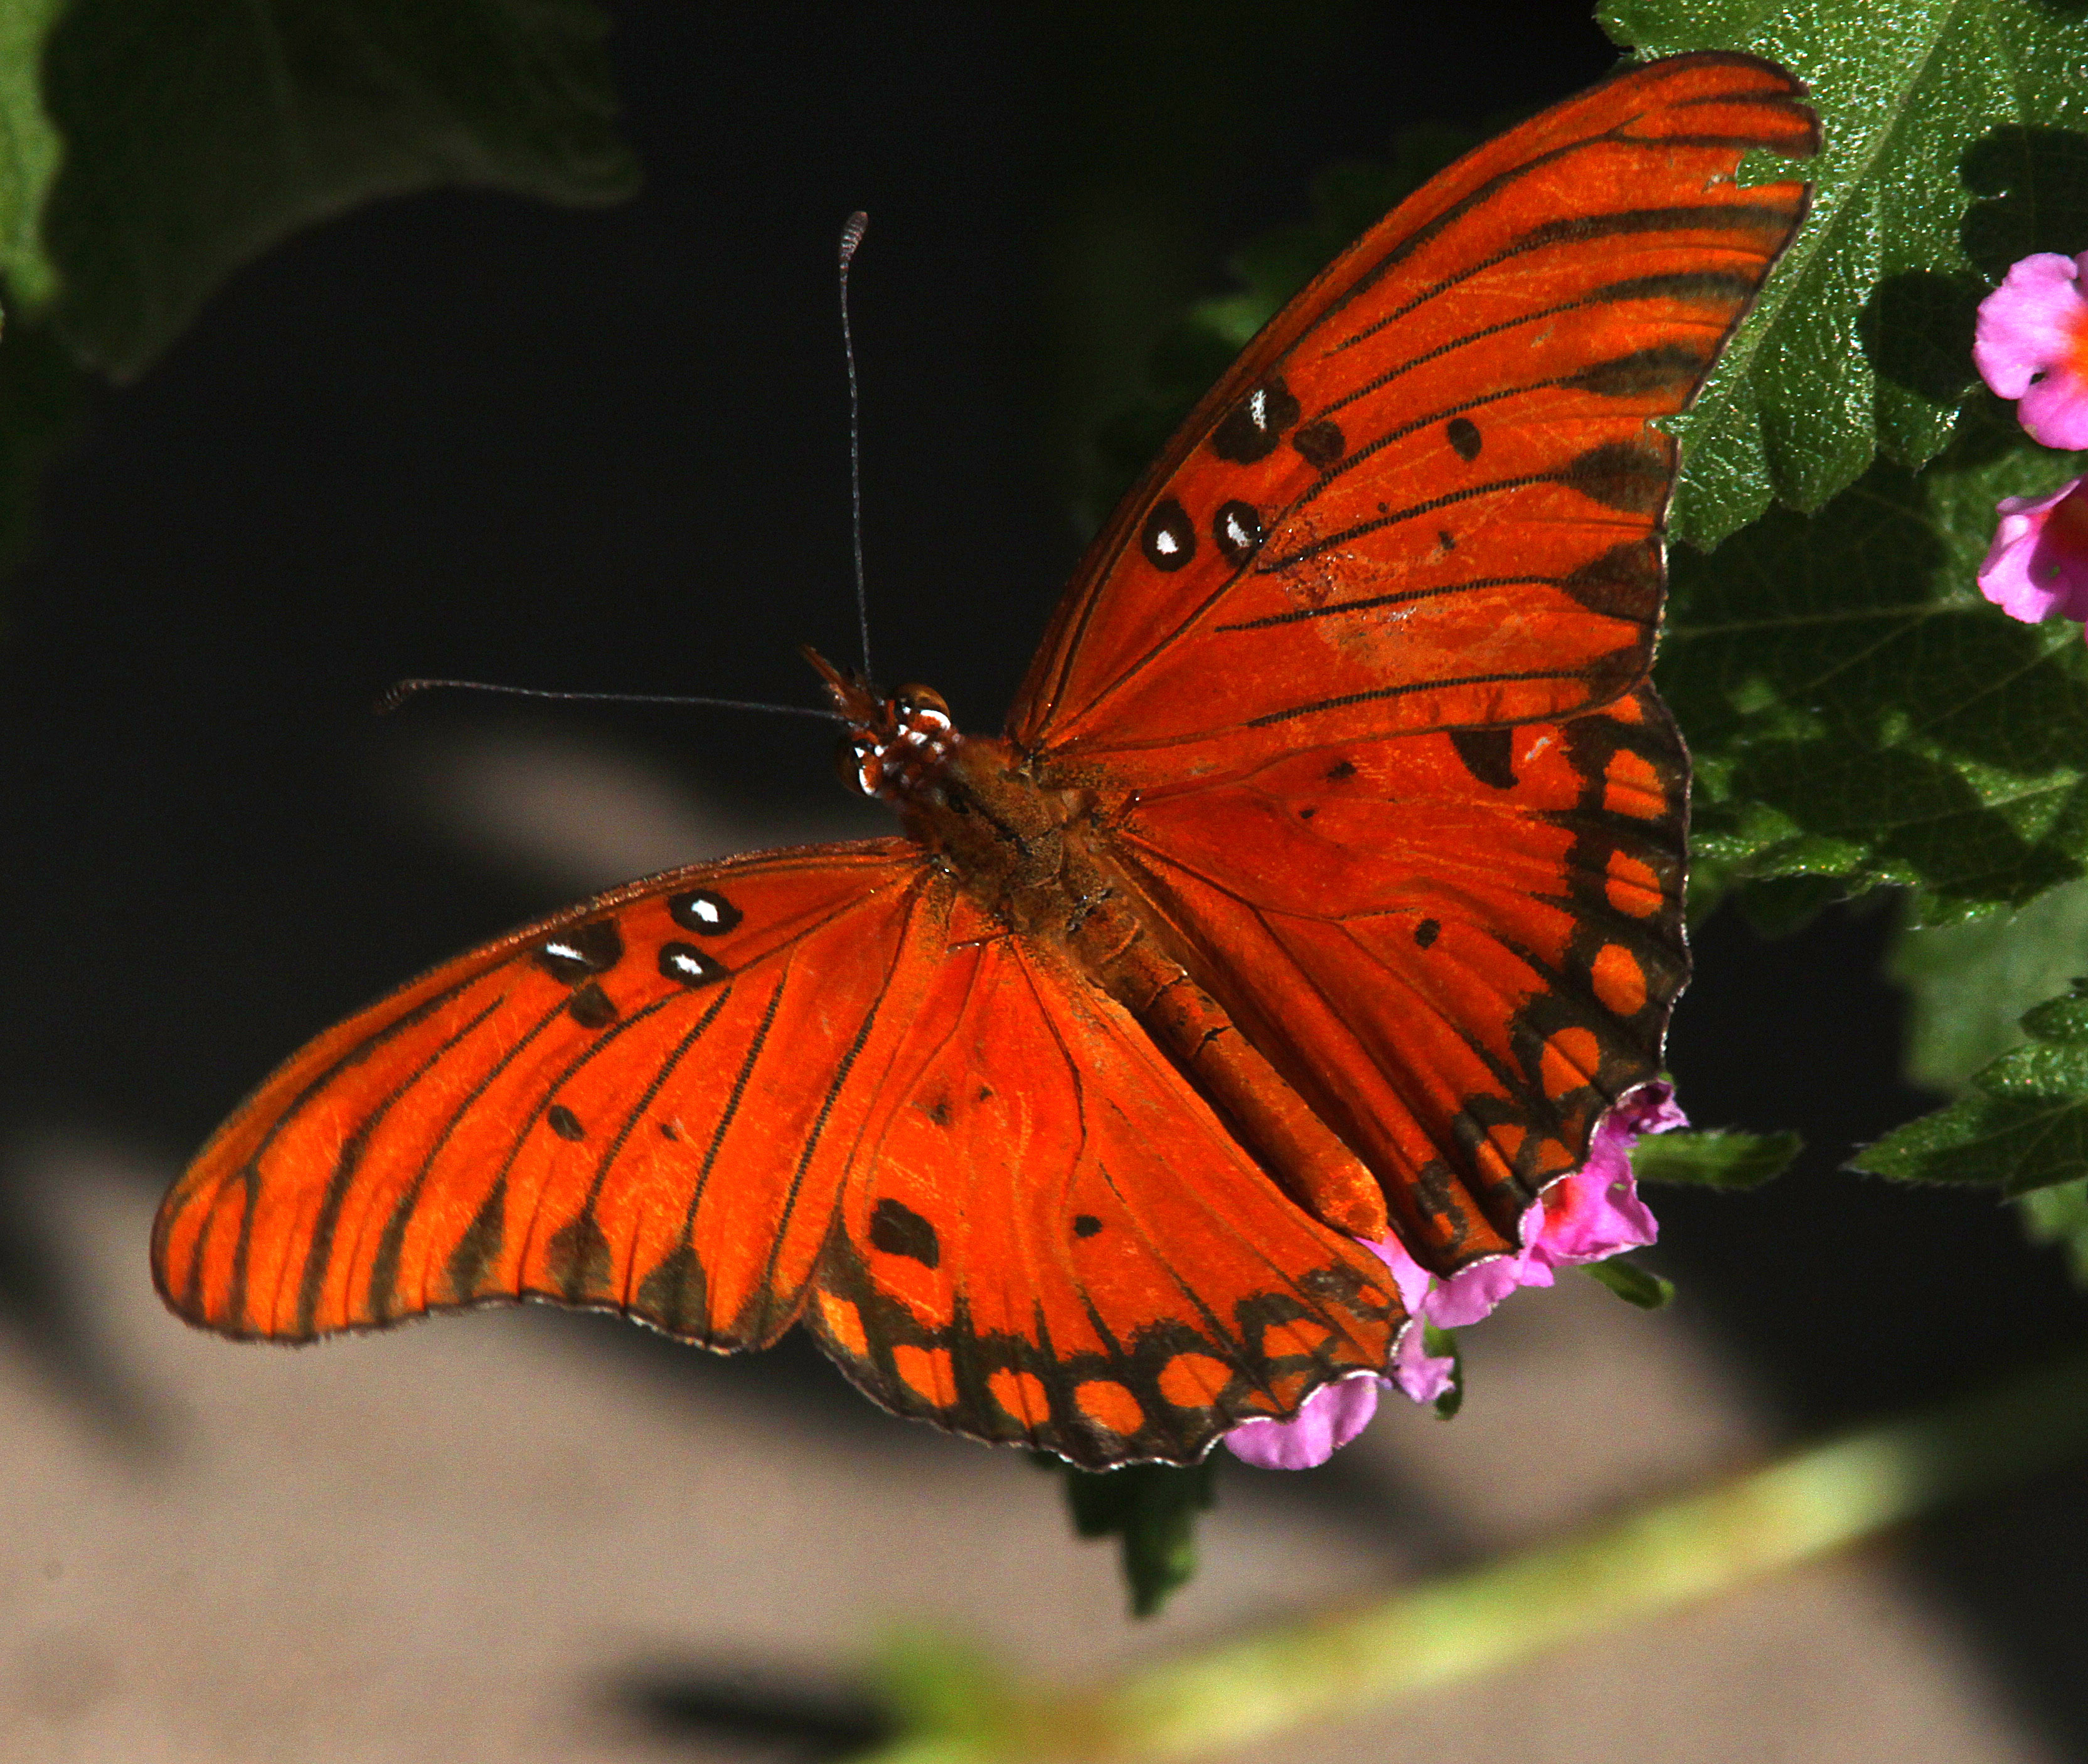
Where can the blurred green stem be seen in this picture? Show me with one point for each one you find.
(957, 1708)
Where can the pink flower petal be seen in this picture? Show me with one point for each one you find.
(2037, 564)
(2028, 323)
(2053, 412)
(1588, 1216)
(1420, 1374)
(1331, 1417)
(2030, 344)
(1408, 1275)
(1471, 1294)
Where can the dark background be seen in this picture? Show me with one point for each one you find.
(463, 434)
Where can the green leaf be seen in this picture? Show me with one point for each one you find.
(1714, 1158)
(29, 148)
(198, 134)
(1152, 1510)
(2023, 1122)
(1650, 1292)
(1857, 712)
(2059, 1216)
(1967, 984)
(1861, 342)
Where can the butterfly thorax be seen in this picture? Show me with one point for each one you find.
(975, 803)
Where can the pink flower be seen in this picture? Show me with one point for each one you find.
(2037, 564)
(1590, 1215)
(1335, 1413)
(2031, 344)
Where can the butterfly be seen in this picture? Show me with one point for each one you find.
(1325, 883)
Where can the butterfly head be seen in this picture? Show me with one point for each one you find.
(897, 747)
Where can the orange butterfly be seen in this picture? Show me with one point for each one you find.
(1327, 881)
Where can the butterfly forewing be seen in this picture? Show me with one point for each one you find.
(1429, 494)
(565, 1113)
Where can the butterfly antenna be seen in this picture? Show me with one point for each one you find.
(408, 689)
(858, 224)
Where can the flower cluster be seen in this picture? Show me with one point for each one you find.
(2031, 345)
(1590, 1215)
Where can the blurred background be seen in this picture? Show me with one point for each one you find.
(466, 434)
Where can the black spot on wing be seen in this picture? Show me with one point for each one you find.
(899, 1230)
(1632, 477)
(1688, 288)
(1168, 539)
(1319, 443)
(675, 1296)
(479, 1247)
(1666, 367)
(581, 952)
(1463, 435)
(564, 1123)
(686, 965)
(1237, 530)
(1625, 582)
(592, 1008)
(1426, 933)
(1250, 429)
(705, 912)
(1488, 754)
(1769, 223)
(578, 1259)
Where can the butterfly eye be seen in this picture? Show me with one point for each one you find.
(920, 705)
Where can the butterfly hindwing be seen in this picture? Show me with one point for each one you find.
(1429, 494)
(643, 1105)
(1459, 947)
(1047, 1237)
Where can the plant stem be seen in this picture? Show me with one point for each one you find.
(959, 1709)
